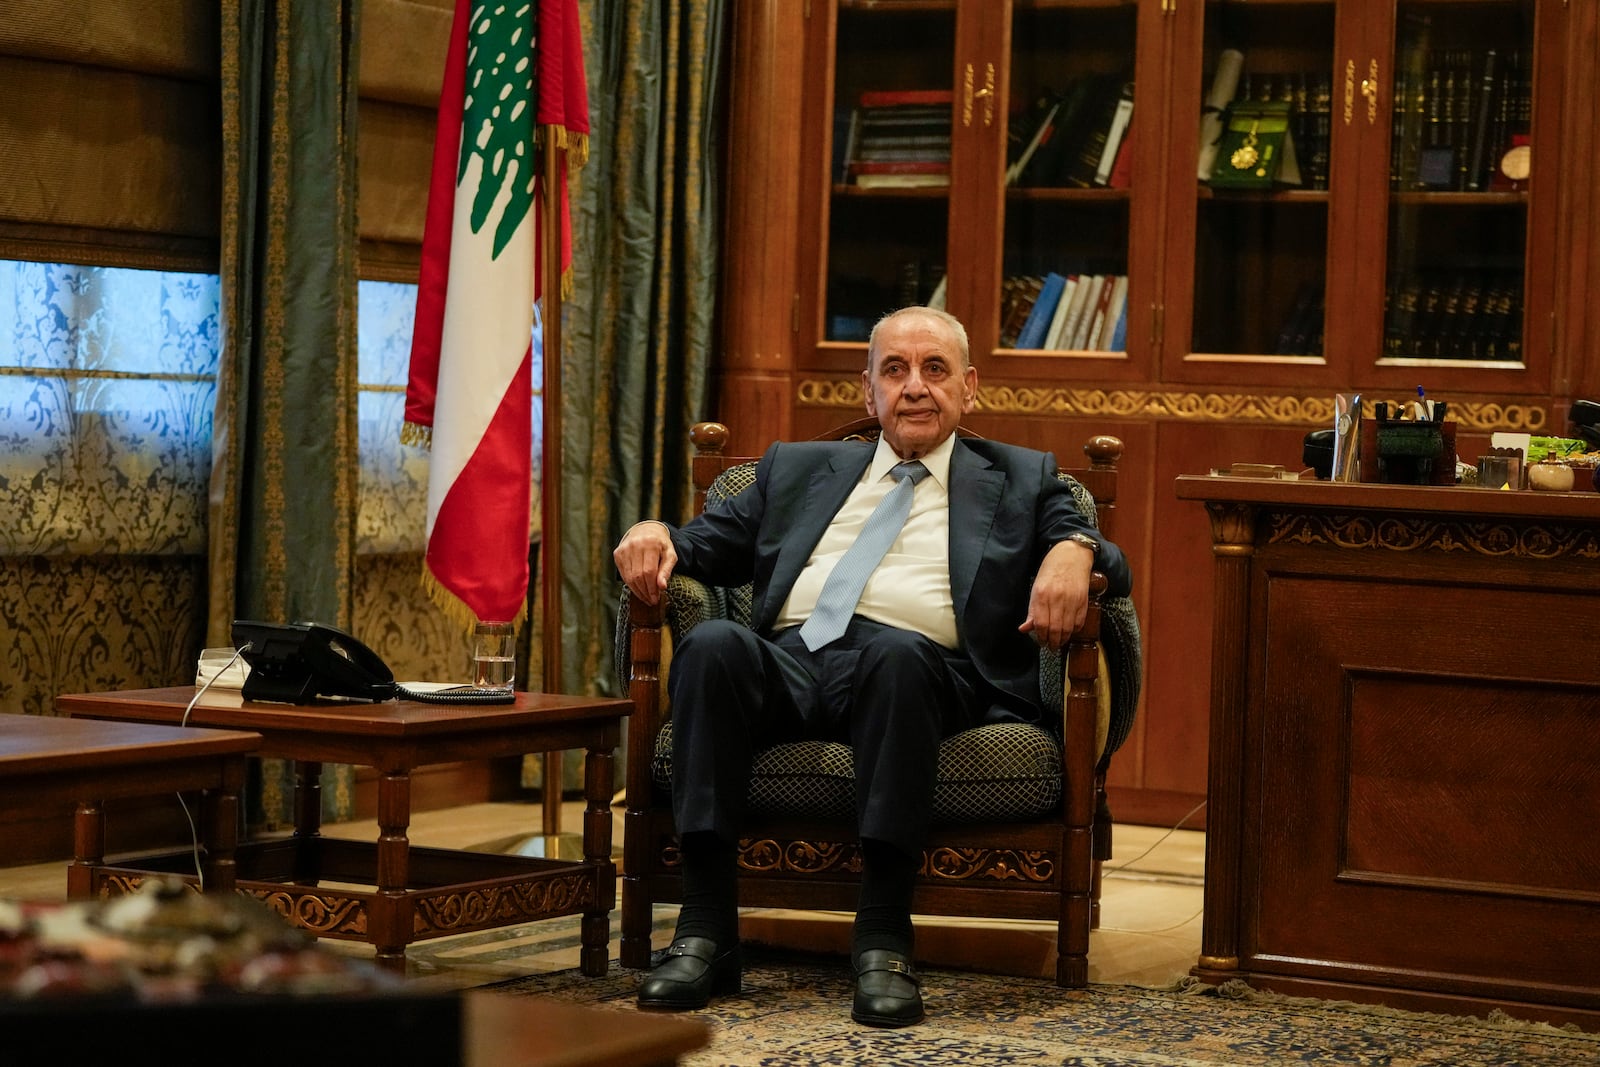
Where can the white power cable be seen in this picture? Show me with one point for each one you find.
(194, 834)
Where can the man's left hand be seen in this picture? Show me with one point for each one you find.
(1060, 598)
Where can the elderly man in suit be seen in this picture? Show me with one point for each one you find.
(892, 648)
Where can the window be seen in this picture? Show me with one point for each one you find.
(107, 389)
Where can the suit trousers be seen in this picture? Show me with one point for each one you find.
(891, 694)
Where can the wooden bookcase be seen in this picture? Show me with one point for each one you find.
(1214, 368)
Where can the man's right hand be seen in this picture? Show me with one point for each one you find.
(645, 559)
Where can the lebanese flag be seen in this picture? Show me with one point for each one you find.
(470, 393)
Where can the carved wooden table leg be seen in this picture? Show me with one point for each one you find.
(307, 818)
(596, 929)
(390, 914)
(88, 848)
(219, 814)
(1233, 546)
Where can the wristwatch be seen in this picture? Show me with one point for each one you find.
(1085, 540)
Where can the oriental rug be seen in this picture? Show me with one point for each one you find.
(794, 1010)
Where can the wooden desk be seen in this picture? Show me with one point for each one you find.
(1405, 745)
(50, 760)
(417, 893)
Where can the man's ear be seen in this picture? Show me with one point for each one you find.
(969, 389)
(866, 391)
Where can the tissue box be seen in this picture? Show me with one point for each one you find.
(221, 668)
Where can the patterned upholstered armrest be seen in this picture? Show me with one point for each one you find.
(1119, 653)
(645, 634)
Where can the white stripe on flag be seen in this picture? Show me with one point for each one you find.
(488, 324)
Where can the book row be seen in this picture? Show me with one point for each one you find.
(1457, 113)
(1074, 312)
(1079, 137)
(1439, 315)
(1301, 334)
(896, 138)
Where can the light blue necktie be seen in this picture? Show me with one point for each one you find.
(840, 593)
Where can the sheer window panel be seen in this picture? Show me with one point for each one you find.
(107, 389)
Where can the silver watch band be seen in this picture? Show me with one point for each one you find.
(1086, 541)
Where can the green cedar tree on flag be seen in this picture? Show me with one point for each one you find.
(513, 88)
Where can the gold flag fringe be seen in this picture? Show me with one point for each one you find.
(576, 145)
(414, 433)
(455, 609)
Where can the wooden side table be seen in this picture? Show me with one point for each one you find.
(71, 762)
(404, 894)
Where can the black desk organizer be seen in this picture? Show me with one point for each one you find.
(1410, 451)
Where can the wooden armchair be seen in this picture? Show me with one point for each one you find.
(1021, 823)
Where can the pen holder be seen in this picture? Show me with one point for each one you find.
(1408, 452)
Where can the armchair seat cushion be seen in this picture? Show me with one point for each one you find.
(991, 772)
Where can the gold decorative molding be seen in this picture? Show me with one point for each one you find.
(818, 393)
(1527, 541)
(1309, 411)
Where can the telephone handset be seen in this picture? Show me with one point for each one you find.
(296, 663)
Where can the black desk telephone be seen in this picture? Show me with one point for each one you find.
(296, 663)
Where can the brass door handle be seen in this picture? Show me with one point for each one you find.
(1349, 89)
(986, 94)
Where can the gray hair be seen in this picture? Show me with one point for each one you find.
(951, 323)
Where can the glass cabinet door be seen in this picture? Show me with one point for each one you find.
(1460, 115)
(1071, 126)
(889, 206)
(1263, 181)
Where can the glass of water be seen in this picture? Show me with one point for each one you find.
(494, 656)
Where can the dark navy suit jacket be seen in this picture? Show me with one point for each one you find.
(1007, 509)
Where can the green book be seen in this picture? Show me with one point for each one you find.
(1255, 142)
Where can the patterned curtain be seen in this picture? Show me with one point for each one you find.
(283, 530)
(638, 330)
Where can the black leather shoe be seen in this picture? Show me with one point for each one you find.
(887, 990)
(690, 972)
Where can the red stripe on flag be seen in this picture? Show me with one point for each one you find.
(433, 279)
(479, 546)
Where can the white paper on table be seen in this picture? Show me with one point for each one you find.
(1223, 86)
(1501, 439)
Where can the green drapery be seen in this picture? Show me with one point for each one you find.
(638, 329)
(283, 485)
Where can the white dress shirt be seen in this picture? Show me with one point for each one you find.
(911, 587)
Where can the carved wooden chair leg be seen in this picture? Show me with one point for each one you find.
(1102, 842)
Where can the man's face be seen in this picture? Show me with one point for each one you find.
(916, 385)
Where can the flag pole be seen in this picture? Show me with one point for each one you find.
(550, 462)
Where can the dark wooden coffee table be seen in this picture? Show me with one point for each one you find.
(46, 760)
(386, 892)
